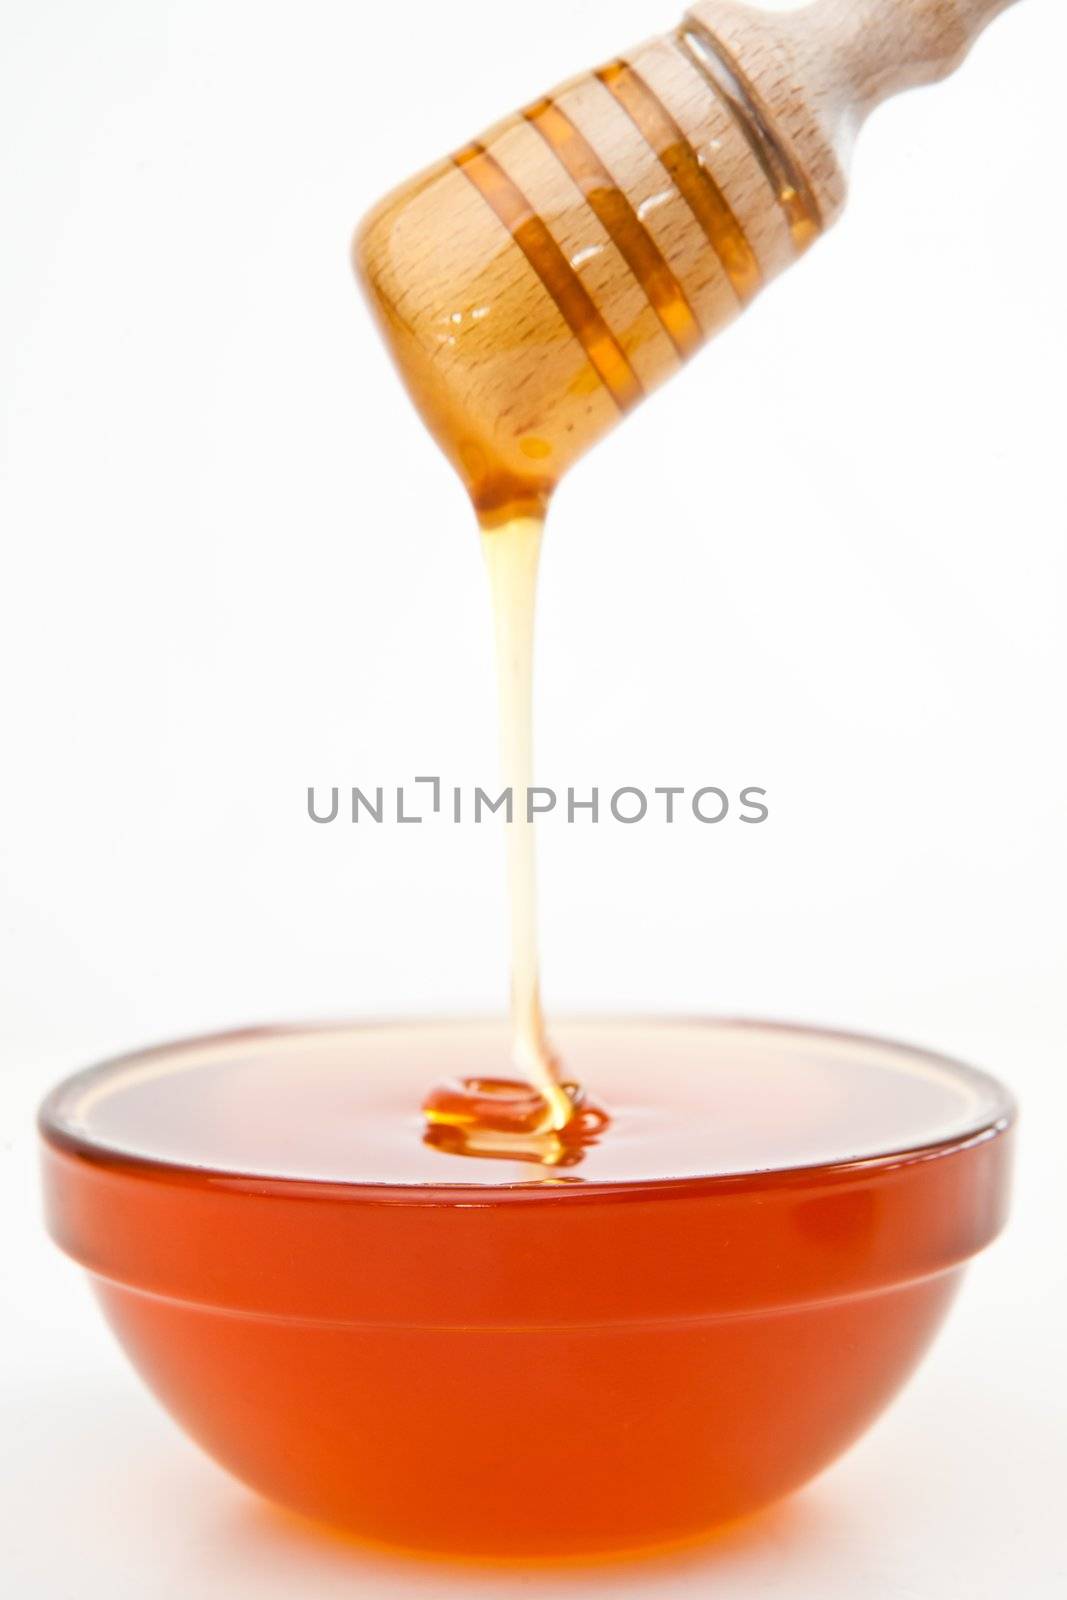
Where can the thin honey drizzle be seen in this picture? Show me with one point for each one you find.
(517, 375)
(543, 1119)
(512, 556)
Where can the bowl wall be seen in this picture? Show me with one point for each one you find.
(529, 1442)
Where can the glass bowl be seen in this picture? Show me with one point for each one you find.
(487, 1357)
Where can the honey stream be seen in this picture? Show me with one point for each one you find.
(543, 1118)
(532, 297)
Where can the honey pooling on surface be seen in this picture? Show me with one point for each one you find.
(500, 1120)
(534, 289)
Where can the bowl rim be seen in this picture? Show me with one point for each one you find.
(1001, 1119)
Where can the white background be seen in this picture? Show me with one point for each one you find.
(828, 560)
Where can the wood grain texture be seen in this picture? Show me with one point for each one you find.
(537, 285)
(663, 213)
(884, 46)
(817, 73)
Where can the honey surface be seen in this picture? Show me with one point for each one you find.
(687, 1099)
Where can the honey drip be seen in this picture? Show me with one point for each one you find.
(543, 1118)
(512, 555)
(531, 299)
(497, 1119)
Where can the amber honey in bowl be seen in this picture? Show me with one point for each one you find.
(682, 1325)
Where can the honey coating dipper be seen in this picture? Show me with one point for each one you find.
(536, 285)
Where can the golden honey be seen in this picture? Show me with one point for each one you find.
(574, 275)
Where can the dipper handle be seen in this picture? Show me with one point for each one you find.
(820, 71)
(889, 45)
(538, 284)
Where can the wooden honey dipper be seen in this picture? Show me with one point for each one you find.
(538, 284)
(541, 282)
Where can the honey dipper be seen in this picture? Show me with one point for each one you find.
(538, 284)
